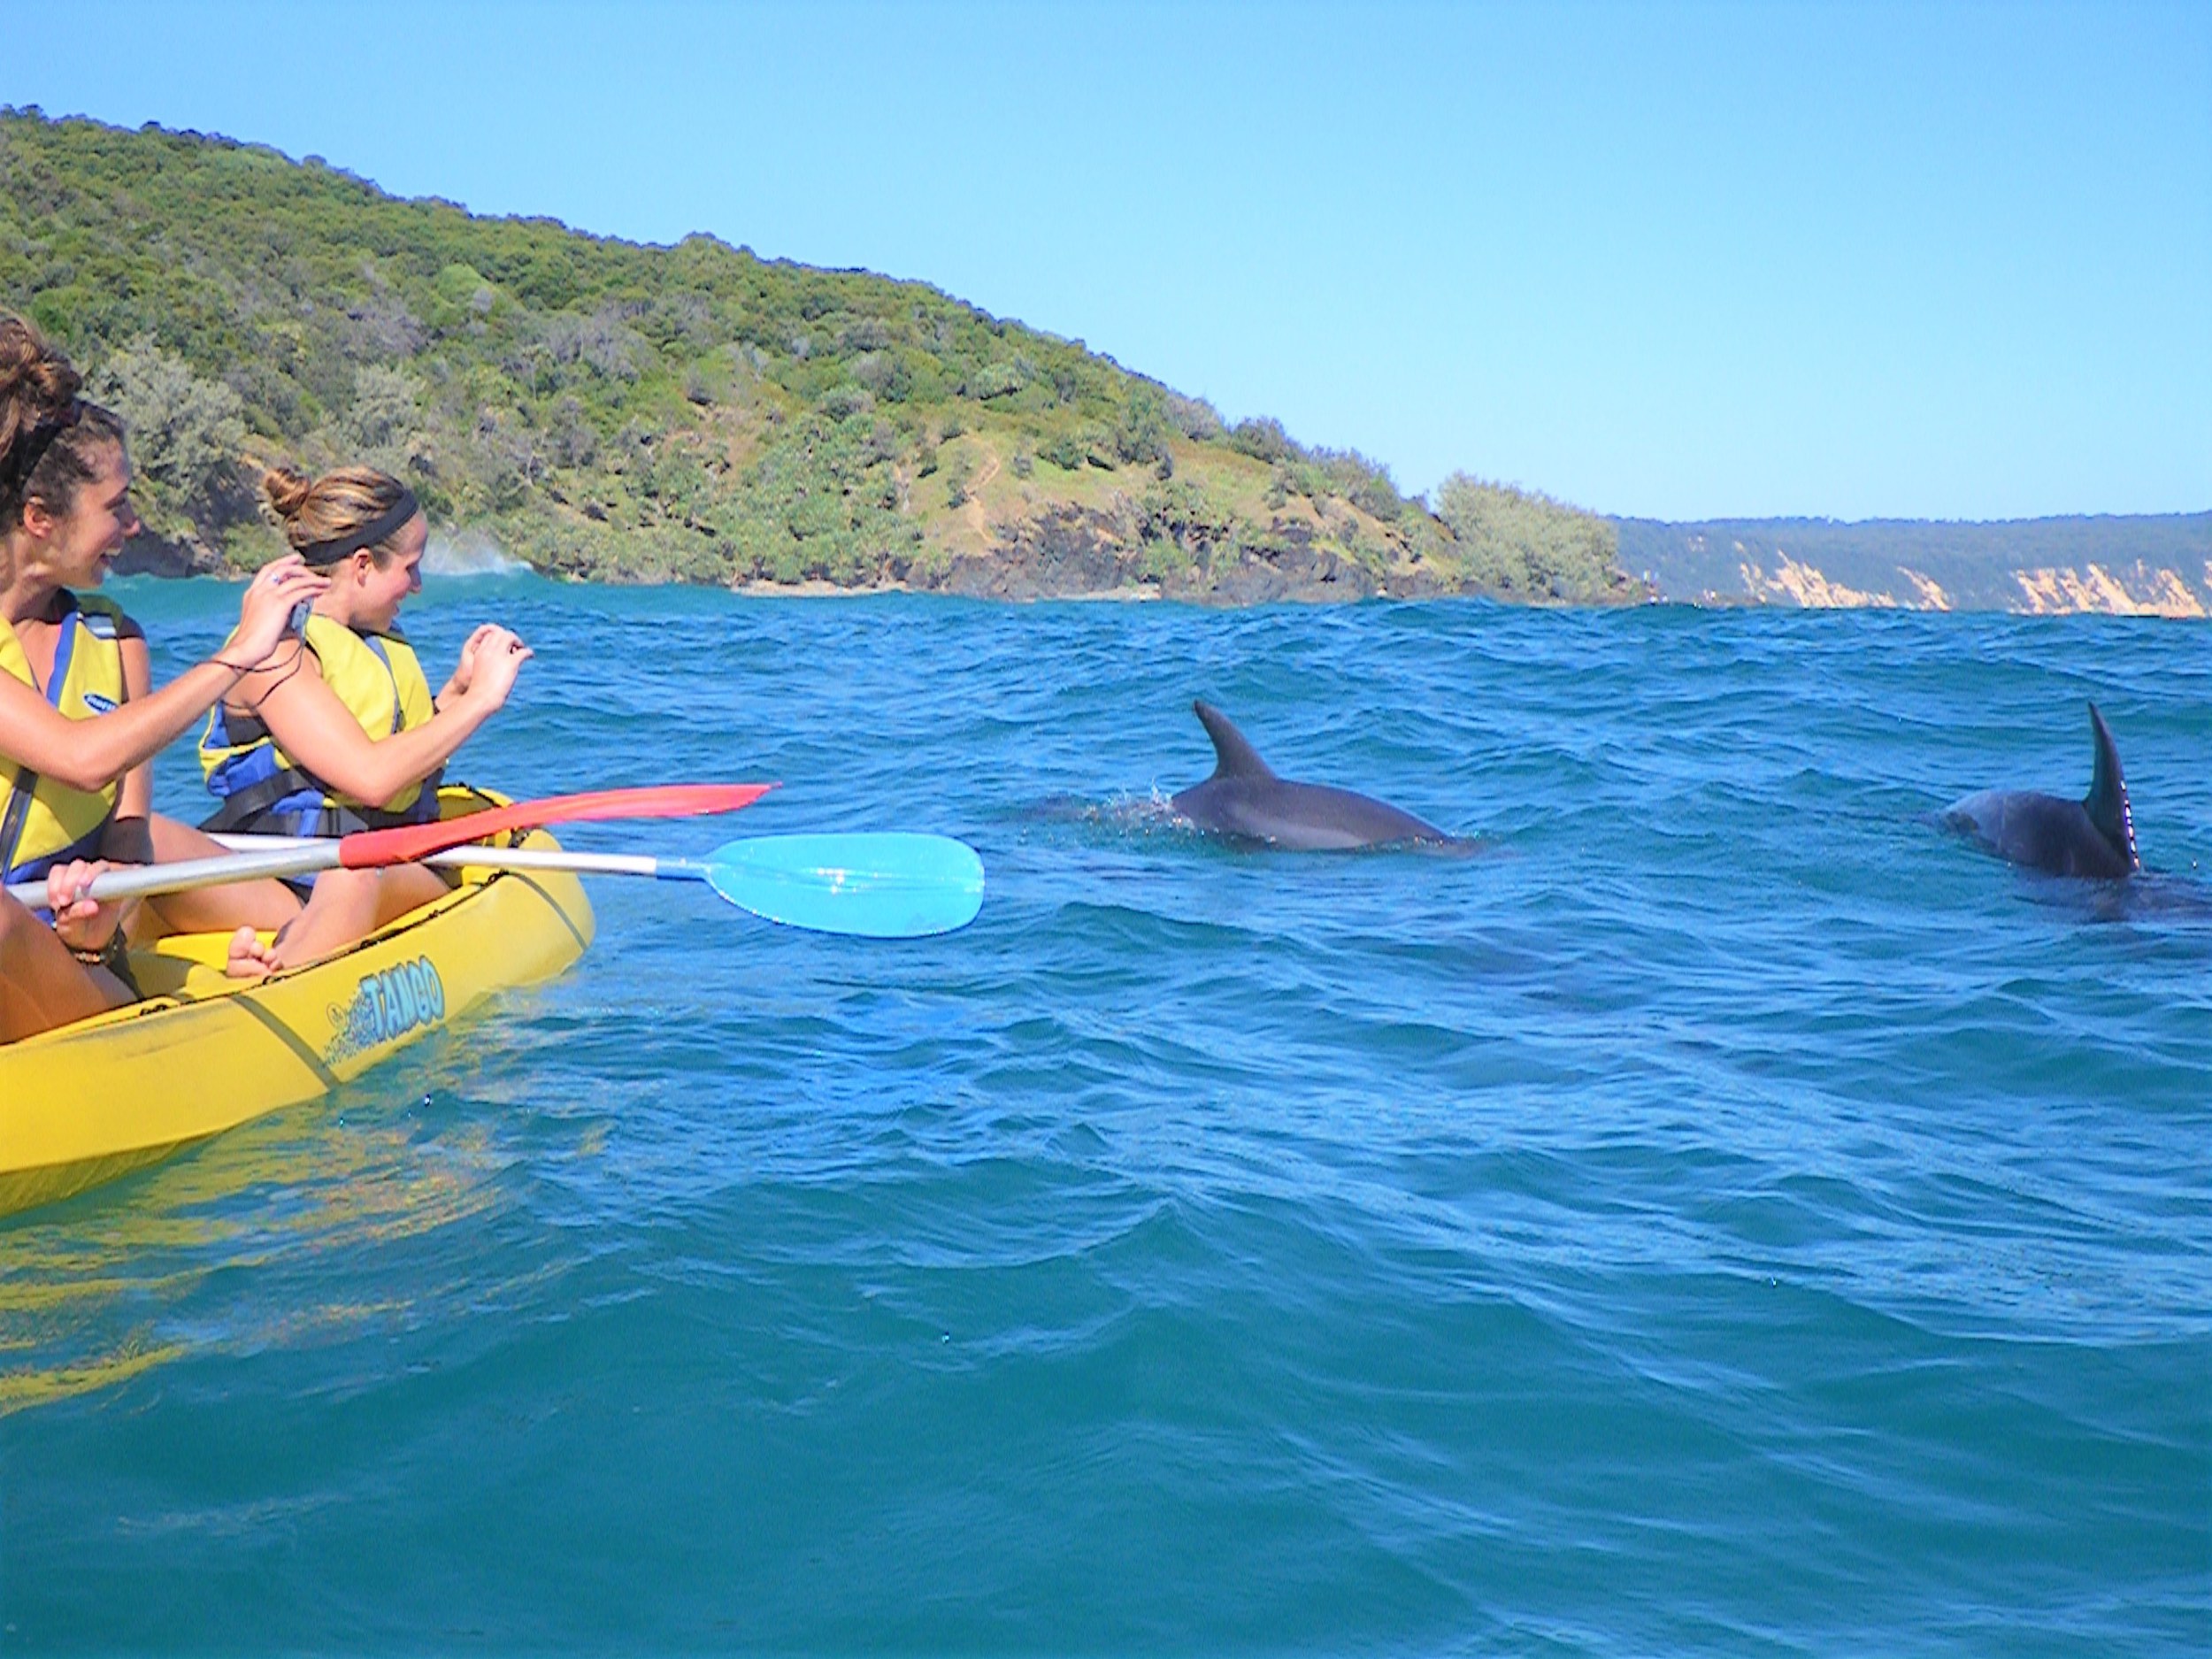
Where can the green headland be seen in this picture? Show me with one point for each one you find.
(695, 413)
(689, 413)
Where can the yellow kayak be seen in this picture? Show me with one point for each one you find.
(203, 1052)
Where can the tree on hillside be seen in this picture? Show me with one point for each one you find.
(186, 432)
(1526, 543)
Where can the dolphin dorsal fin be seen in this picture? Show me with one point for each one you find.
(1233, 758)
(2108, 802)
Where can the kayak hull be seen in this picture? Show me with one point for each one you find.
(203, 1053)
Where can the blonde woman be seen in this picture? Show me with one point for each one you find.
(79, 717)
(343, 734)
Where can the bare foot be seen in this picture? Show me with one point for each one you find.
(250, 958)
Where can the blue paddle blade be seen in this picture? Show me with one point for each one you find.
(891, 885)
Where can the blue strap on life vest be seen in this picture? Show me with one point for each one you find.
(258, 796)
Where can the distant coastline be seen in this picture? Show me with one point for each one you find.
(2145, 565)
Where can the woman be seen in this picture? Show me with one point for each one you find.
(344, 733)
(79, 719)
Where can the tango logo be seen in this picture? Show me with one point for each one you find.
(386, 1006)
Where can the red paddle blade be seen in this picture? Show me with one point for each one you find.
(369, 849)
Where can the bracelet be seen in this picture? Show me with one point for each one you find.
(113, 955)
(101, 955)
(222, 661)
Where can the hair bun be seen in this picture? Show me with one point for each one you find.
(36, 381)
(288, 490)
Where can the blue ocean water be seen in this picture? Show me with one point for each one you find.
(1728, 1216)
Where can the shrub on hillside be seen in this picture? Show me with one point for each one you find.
(186, 433)
(383, 426)
(1195, 417)
(1525, 543)
(1262, 439)
(1142, 431)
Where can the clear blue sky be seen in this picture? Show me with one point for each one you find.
(1680, 261)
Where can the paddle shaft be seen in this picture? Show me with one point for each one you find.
(373, 850)
(283, 857)
(136, 881)
(583, 864)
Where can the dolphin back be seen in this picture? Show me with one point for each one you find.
(1244, 800)
(2107, 801)
(2093, 837)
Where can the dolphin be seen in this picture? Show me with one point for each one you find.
(2093, 837)
(1244, 800)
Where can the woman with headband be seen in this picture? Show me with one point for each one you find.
(343, 734)
(79, 717)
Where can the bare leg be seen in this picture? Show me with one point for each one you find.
(261, 905)
(346, 905)
(42, 985)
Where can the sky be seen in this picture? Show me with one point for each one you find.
(1676, 261)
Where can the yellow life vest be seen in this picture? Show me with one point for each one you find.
(380, 679)
(44, 822)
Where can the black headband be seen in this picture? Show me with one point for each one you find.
(367, 535)
(23, 459)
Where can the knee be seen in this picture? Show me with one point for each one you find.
(345, 891)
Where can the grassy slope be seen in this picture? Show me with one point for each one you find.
(690, 413)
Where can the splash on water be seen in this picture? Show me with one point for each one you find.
(470, 553)
(1124, 813)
